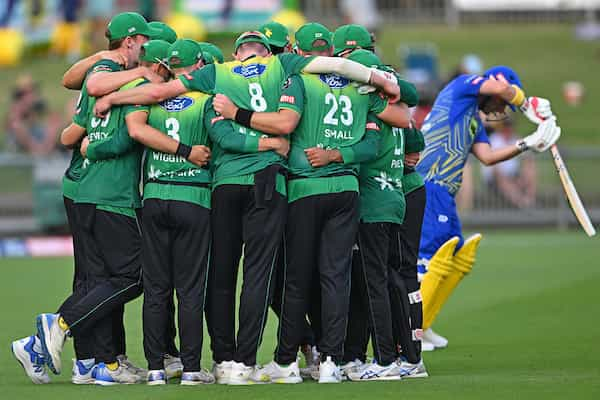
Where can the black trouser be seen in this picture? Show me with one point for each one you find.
(357, 332)
(171, 329)
(175, 251)
(84, 345)
(238, 219)
(408, 335)
(320, 233)
(277, 297)
(375, 242)
(111, 245)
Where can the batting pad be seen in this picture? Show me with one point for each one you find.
(439, 268)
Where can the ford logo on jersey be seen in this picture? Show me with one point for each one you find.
(334, 81)
(177, 104)
(250, 70)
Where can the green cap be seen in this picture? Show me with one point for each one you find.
(155, 51)
(166, 32)
(183, 53)
(211, 53)
(351, 37)
(129, 24)
(309, 33)
(365, 57)
(276, 33)
(252, 37)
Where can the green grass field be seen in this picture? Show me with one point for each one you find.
(524, 325)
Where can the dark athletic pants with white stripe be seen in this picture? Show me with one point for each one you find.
(320, 233)
(175, 251)
(111, 244)
(252, 216)
(403, 288)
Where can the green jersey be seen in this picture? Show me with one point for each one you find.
(253, 84)
(334, 116)
(381, 195)
(415, 143)
(111, 182)
(73, 172)
(191, 119)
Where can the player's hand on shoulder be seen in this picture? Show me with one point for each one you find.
(224, 106)
(547, 133)
(113, 55)
(536, 109)
(200, 155)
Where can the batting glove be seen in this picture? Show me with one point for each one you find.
(536, 109)
(545, 136)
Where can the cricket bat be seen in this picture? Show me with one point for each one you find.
(574, 200)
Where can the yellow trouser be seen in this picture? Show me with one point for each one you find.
(444, 272)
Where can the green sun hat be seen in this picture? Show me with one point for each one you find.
(129, 24)
(183, 53)
(252, 37)
(309, 33)
(276, 33)
(366, 58)
(351, 37)
(166, 32)
(155, 51)
(211, 53)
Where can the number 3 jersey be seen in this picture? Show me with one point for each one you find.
(169, 176)
(253, 84)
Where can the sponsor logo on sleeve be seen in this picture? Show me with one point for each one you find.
(287, 99)
(250, 70)
(176, 104)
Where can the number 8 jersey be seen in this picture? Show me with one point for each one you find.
(253, 84)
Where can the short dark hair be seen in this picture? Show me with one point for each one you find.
(277, 50)
(115, 44)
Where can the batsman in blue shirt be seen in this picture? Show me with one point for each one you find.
(452, 130)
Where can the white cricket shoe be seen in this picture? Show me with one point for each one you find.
(107, 377)
(375, 372)
(156, 377)
(408, 370)
(242, 374)
(195, 378)
(52, 338)
(350, 367)
(329, 372)
(173, 366)
(131, 367)
(83, 373)
(427, 346)
(222, 372)
(281, 374)
(32, 361)
(438, 341)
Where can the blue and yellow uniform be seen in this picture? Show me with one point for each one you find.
(450, 130)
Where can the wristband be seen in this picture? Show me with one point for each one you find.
(522, 146)
(519, 97)
(243, 117)
(183, 150)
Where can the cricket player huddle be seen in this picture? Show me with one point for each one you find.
(303, 159)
